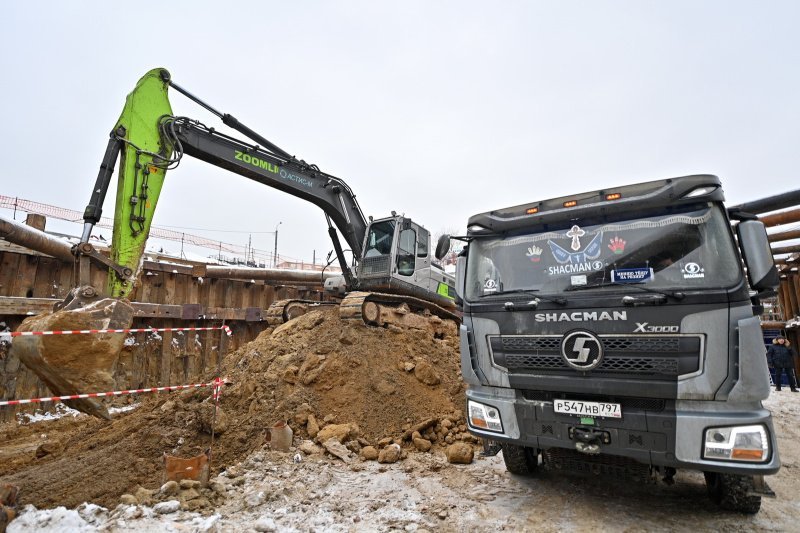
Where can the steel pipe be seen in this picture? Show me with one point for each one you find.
(784, 235)
(35, 239)
(777, 219)
(268, 274)
(770, 203)
(785, 249)
(42, 242)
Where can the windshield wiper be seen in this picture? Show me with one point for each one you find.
(534, 292)
(673, 294)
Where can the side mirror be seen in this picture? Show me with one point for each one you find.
(442, 246)
(761, 271)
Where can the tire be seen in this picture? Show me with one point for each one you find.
(730, 492)
(520, 460)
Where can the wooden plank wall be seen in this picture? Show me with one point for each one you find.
(169, 296)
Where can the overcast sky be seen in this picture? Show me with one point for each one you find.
(438, 110)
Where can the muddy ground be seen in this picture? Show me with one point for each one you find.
(317, 372)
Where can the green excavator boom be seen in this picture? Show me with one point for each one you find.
(143, 165)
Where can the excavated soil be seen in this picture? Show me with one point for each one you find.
(314, 371)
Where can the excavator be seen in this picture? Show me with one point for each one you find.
(390, 279)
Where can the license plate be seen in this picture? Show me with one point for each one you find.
(580, 408)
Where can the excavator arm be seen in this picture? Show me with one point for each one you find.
(145, 159)
(289, 175)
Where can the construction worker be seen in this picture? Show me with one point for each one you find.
(781, 356)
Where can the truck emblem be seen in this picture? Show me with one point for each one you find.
(645, 327)
(582, 350)
(617, 245)
(576, 233)
(534, 253)
(693, 270)
(577, 262)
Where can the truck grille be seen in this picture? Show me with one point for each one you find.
(654, 356)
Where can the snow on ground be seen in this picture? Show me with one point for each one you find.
(61, 410)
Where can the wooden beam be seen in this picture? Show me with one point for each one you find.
(10, 305)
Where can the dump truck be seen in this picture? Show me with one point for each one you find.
(616, 332)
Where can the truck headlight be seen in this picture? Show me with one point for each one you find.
(484, 417)
(742, 443)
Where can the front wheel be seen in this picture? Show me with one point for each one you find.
(733, 492)
(520, 460)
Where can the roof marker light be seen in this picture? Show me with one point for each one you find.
(700, 191)
(613, 196)
(571, 203)
(531, 210)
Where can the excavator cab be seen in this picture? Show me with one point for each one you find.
(397, 259)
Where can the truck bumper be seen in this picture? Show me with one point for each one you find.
(670, 434)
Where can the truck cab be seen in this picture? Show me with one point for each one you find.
(614, 332)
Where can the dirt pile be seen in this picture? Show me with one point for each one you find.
(319, 370)
(362, 387)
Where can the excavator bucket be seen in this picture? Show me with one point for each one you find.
(75, 364)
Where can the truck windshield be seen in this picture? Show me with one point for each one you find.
(689, 250)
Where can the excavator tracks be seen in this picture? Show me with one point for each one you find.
(285, 310)
(379, 309)
(370, 308)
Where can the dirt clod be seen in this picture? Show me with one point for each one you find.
(460, 453)
(390, 454)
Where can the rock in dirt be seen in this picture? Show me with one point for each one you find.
(47, 448)
(312, 427)
(128, 499)
(460, 453)
(424, 372)
(171, 506)
(189, 484)
(169, 488)
(340, 432)
(75, 364)
(337, 449)
(369, 453)
(422, 445)
(309, 448)
(390, 454)
(144, 496)
(189, 494)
